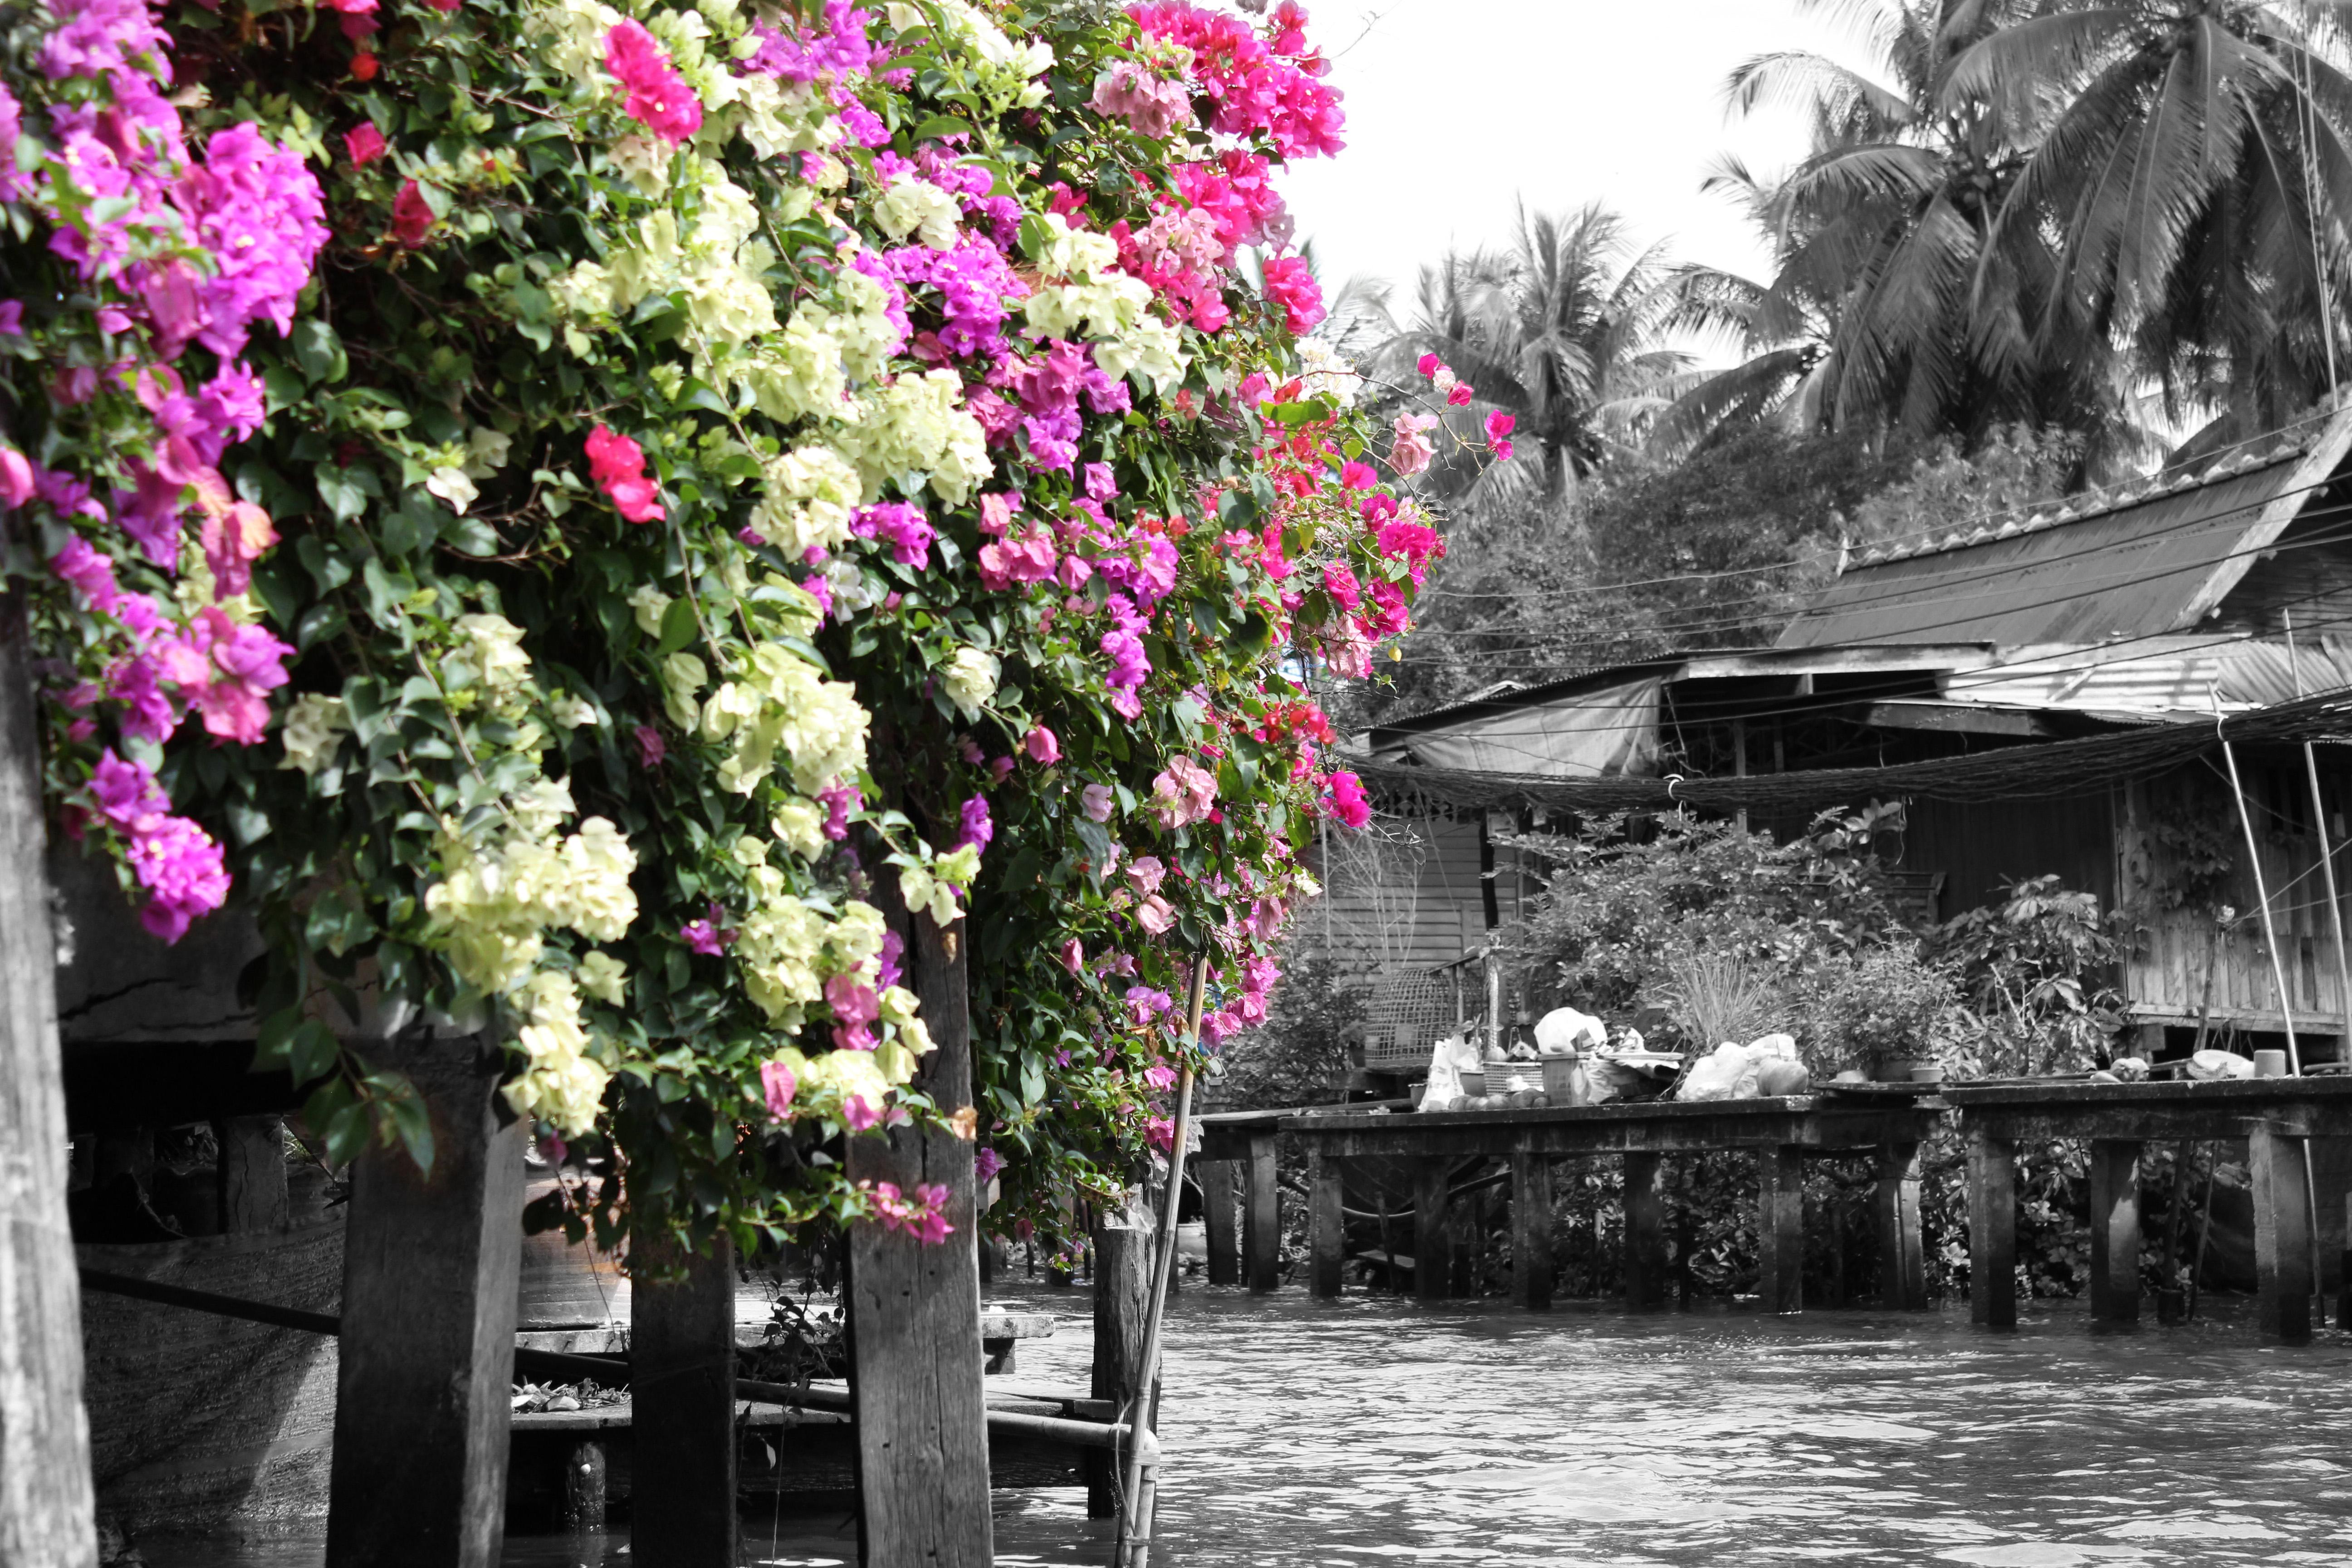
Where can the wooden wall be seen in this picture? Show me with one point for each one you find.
(2166, 977)
(1404, 895)
(1979, 848)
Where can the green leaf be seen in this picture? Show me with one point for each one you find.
(940, 125)
(678, 627)
(342, 491)
(405, 1109)
(470, 536)
(319, 350)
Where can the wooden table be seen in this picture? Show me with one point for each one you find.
(2273, 1115)
(1781, 1131)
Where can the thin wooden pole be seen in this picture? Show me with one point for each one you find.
(1143, 1455)
(2262, 889)
(45, 1474)
(2326, 857)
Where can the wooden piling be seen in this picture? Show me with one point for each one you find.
(2282, 1264)
(1532, 1270)
(2114, 1230)
(1902, 1256)
(1327, 1240)
(1122, 1300)
(431, 1267)
(251, 1171)
(1780, 1229)
(1262, 1217)
(1218, 1221)
(46, 1506)
(583, 1507)
(682, 1393)
(1645, 1233)
(914, 1310)
(1432, 1231)
(1992, 1231)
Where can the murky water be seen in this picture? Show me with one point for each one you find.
(1365, 1430)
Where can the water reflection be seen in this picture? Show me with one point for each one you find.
(1368, 1430)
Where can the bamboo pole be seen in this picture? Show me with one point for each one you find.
(2326, 852)
(2262, 889)
(1141, 1491)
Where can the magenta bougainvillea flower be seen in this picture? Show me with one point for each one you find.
(659, 98)
(618, 466)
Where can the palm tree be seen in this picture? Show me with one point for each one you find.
(2190, 167)
(1900, 301)
(1560, 328)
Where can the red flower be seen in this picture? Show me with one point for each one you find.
(618, 466)
(362, 66)
(412, 215)
(364, 143)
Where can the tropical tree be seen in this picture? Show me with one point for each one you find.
(1560, 330)
(2190, 171)
(1900, 300)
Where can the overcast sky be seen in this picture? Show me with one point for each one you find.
(1456, 107)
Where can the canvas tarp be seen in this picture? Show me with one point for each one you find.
(1603, 734)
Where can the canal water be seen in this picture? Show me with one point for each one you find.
(1369, 1431)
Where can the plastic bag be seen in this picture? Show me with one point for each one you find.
(1454, 1056)
(1563, 1029)
(1728, 1073)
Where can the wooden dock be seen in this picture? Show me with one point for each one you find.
(2276, 1116)
(1782, 1132)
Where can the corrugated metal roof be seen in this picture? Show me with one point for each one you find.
(2149, 678)
(2138, 560)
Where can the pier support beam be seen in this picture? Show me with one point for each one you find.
(2114, 1230)
(1901, 1254)
(1122, 1299)
(914, 1310)
(1531, 1262)
(44, 1475)
(1432, 1231)
(1780, 1229)
(1645, 1233)
(432, 1262)
(251, 1171)
(1992, 1231)
(2281, 1229)
(1262, 1220)
(1326, 1239)
(682, 1389)
(1218, 1217)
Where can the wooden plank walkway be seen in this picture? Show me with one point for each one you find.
(2277, 1116)
(1782, 1132)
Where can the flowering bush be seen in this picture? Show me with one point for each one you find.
(629, 499)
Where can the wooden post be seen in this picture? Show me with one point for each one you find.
(1532, 1270)
(682, 1393)
(2114, 1230)
(584, 1486)
(1902, 1257)
(1433, 1232)
(1326, 1239)
(432, 1262)
(252, 1174)
(1992, 1231)
(1645, 1233)
(914, 1310)
(48, 1510)
(1122, 1300)
(2343, 1278)
(1780, 1227)
(2282, 1265)
(1218, 1220)
(1262, 1220)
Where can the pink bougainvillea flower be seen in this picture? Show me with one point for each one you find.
(16, 478)
(364, 143)
(1146, 871)
(1460, 395)
(1499, 424)
(1183, 793)
(707, 935)
(858, 1113)
(1073, 957)
(233, 538)
(1357, 475)
(1428, 364)
(1290, 284)
(412, 215)
(651, 749)
(1411, 451)
(1095, 801)
(778, 1084)
(1161, 1133)
(1344, 798)
(985, 1164)
(1155, 915)
(1042, 745)
(1159, 1074)
(618, 466)
(1502, 451)
(659, 98)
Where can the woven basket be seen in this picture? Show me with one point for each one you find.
(1404, 1018)
(1511, 1078)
